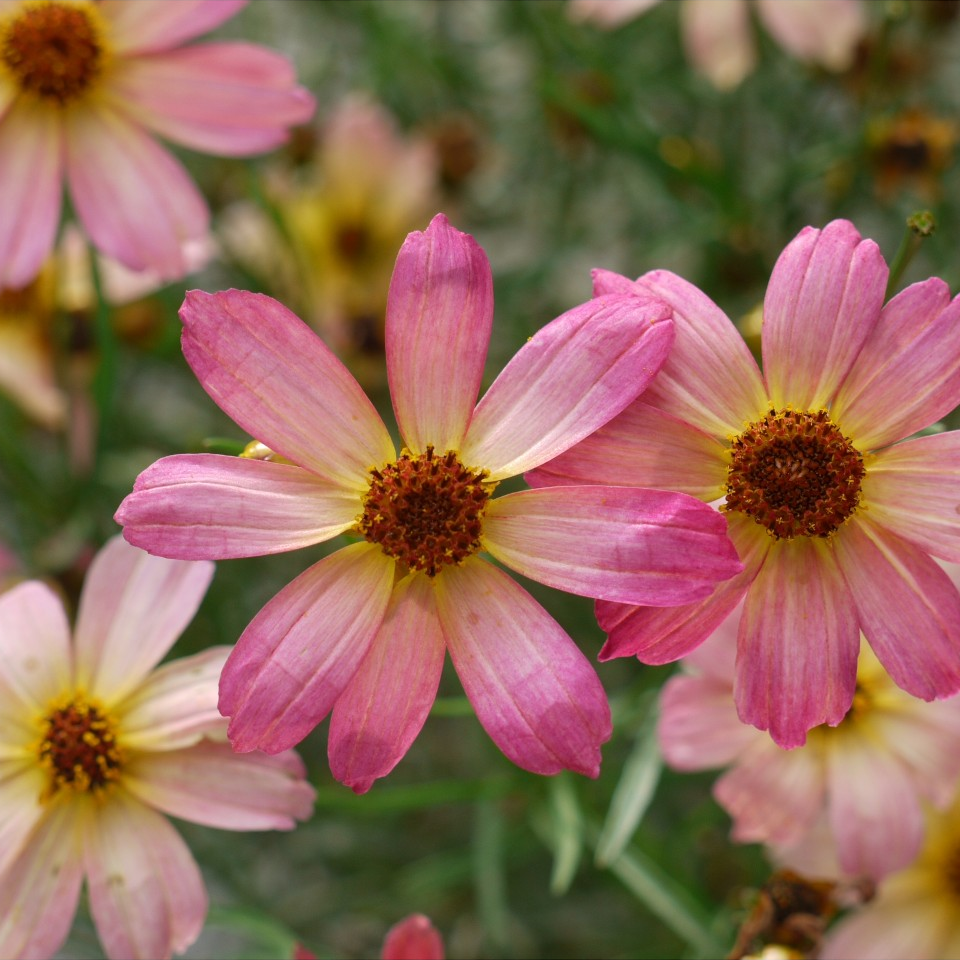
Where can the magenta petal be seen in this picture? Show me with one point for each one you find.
(301, 650)
(533, 690)
(277, 379)
(383, 708)
(798, 645)
(439, 317)
(413, 938)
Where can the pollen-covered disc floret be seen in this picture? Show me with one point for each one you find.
(425, 510)
(79, 747)
(54, 50)
(794, 473)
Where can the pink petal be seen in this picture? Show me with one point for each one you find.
(568, 379)
(908, 373)
(301, 650)
(31, 188)
(22, 781)
(439, 317)
(718, 39)
(826, 32)
(277, 379)
(823, 302)
(535, 693)
(151, 25)
(799, 639)
(210, 784)
(625, 544)
(146, 893)
(383, 708)
(607, 13)
(909, 609)
(231, 99)
(413, 938)
(132, 610)
(196, 506)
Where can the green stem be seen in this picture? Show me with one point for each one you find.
(919, 226)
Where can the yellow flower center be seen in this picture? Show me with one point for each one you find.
(54, 50)
(425, 511)
(794, 473)
(79, 748)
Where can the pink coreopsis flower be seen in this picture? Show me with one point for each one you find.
(364, 631)
(413, 938)
(867, 776)
(84, 85)
(96, 744)
(835, 514)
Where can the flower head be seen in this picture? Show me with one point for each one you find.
(364, 631)
(95, 744)
(82, 87)
(413, 938)
(836, 516)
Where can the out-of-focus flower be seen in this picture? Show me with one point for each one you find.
(835, 514)
(364, 631)
(718, 38)
(413, 938)
(83, 86)
(868, 775)
(96, 744)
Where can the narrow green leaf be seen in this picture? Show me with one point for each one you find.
(566, 823)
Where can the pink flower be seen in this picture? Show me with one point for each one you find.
(867, 776)
(413, 938)
(836, 519)
(82, 83)
(95, 744)
(364, 631)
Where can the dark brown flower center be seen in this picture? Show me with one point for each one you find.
(54, 50)
(425, 510)
(795, 473)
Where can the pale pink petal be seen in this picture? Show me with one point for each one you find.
(146, 893)
(568, 379)
(277, 379)
(210, 784)
(413, 938)
(607, 13)
(826, 31)
(643, 447)
(151, 25)
(40, 890)
(533, 690)
(231, 99)
(383, 708)
(195, 506)
(439, 317)
(176, 705)
(908, 373)
(22, 781)
(798, 644)
(710, 379)
(717, 656)
(717, 37)
(909, 608)
(912, 489)
(31, 189)
(132, 610)
(823, 302)
(625, 544)
(302, 649)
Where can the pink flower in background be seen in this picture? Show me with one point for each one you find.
(96, 744)
(364, 631)
(867, 776)
(413, 938)
(718, 36)
(836, 516)
(84, 85)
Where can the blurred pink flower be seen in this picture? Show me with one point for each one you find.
(866, 776)
(364, 631)
(82, 83)
(836, 519)
(95, 744)
(718, 36)
(413, 938)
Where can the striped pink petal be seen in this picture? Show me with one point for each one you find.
(151, 25)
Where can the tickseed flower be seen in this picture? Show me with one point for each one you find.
(363, 632)
(82, 83)
(867, 776)
(836, 520)
(96, 744)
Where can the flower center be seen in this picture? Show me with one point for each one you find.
(795, 473)
(54, 50)
(425, 510)
(79, 748)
